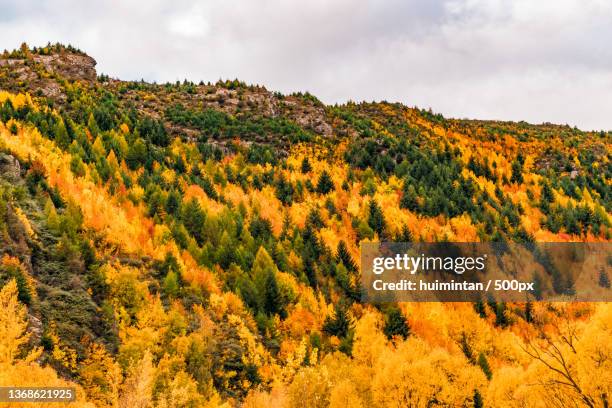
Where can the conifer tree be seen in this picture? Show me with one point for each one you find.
(264, 275)
(405, 235)
(137, 154)
(604, 279)
(343, 256)
(173, 203)
(409, 197)
(376, 219)
(309, 270)
(478, 401)
(306, 167)
(500, 315)
(396, 324)
(340, 323)
(517, 172)
(483, 363)
(479, 307)
(273, 302)
(193, 218)
(61, 134)
(325, 183)
(529, 312)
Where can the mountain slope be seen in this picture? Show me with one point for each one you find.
(200, 242)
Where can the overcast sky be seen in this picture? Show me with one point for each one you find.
(532, 60)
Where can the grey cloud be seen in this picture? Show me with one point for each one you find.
(520, 59)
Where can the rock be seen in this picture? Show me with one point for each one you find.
(10, 167)
(70, 66)
(35, 326)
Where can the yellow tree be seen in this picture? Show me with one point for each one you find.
(100, 376)
(24, 372)
(13, 323)
(574, 358)
(344, 395)
(138, 387)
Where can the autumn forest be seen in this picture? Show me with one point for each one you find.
(197, 245)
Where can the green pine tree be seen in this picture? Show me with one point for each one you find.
(529, 312)
(409, 197)
(273, 302)
(376, 219)
(483, 363)
(343, 256)
(340, 323)
(171, 284)
(325, 183)
(396, 324)
(405, 235)
(479, 307)
(306, 167)
(61, 134)
(137, 154)
(193, 219)
(478, 401)
(604, 279)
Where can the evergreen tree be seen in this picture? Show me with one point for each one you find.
(376, 219)
(309, 270)
(501, 319)
(208, 187)
(260, 229)
(273, 302)
(409, 197)
(517, 172)
(136, 155)
(61, 134)
(547, 195)
(270, 299)
(284, 190)
(604, 279)
(405, 235)
(153, 131)
(343, 256)
(483, 363)
(529, 312)
(193, 219)
(340, 323)
(325, 183)
(467, 349)
(396, 324)
(479, 307)
(537, 286)
(314, 219)
(478, 401)
(306, 167)
(173, 203)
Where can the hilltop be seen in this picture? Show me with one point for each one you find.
(193, 244)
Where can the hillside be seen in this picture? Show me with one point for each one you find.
(189, 245)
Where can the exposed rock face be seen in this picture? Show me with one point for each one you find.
(309, 116)
(70, 66)
(38, 74)
(10, 167)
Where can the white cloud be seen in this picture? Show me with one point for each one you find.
(521, 59)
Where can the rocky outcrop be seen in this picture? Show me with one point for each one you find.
(39, 74)
(10, 167)
(70, 66)
(308, 115)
